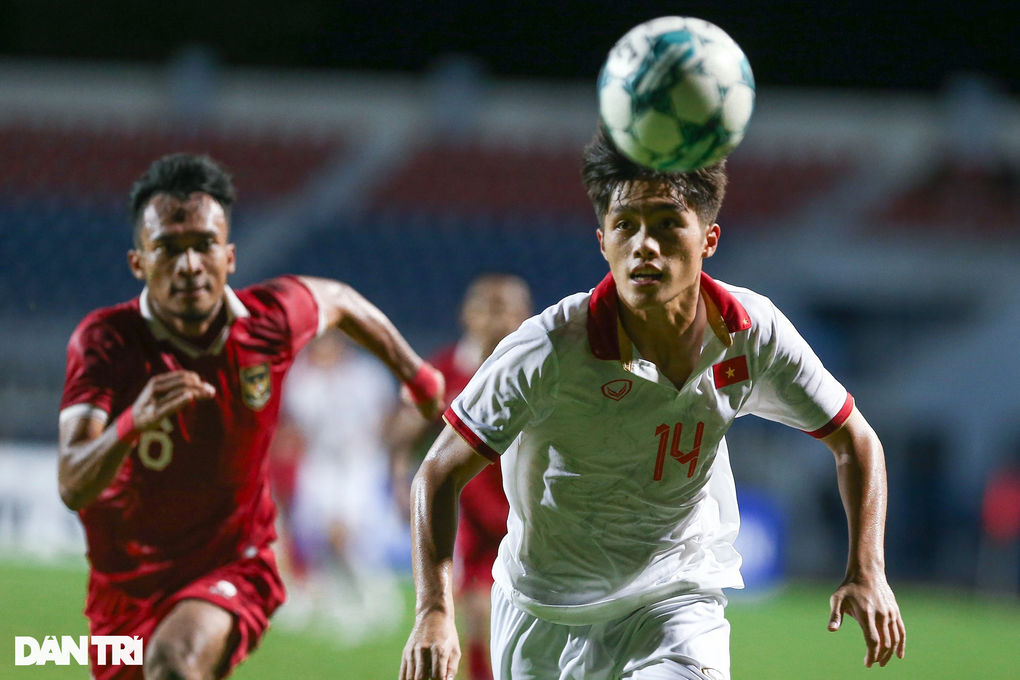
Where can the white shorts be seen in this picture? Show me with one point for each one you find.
(686, 636)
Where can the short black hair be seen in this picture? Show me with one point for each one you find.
(180, 175)
(604, 169)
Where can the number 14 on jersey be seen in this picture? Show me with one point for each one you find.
(690, 458)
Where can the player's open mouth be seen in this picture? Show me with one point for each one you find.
(646, 277)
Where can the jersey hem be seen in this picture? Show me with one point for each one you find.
(837, 420)
(83, 410)
(323, 322)
(469, 436)
(607, 610)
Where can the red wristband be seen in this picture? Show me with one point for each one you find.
(425, 384)
(126, 424)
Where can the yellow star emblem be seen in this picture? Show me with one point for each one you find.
(730, 373)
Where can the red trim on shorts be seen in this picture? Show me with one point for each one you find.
(454, 421)
(837, 420)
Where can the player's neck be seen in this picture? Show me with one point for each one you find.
(198, 332)
(669, 336)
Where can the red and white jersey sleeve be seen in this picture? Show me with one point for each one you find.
(513, 388)
(792, 385)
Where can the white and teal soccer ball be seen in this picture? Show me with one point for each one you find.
(676, 94)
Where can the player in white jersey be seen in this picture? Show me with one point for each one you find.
(608, 413)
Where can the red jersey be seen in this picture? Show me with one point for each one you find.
(483, 505)
(193, 494)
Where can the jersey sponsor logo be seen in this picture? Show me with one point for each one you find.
(731, 371)
(123, 650)
(256, 386)
(690, 458)
(617, 389)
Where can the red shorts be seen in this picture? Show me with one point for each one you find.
(250, 589)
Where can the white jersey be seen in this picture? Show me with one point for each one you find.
(620, 487)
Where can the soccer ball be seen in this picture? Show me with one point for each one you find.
(676, 94)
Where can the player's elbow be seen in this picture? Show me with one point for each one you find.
(72, 498)
(424, 482)
(343, 299)
(71, 493)
(433, 479)
(862, 450)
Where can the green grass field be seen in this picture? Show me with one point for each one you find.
(950, 635)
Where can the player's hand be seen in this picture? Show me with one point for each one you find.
(872, 603)
(433, 650)
(166, 394)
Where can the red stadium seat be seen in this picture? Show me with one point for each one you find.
(86, 163)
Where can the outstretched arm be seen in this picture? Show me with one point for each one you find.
(347, 310)
(865, 594)
(432, 650)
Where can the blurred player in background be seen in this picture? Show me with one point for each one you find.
(494, 306)
(170, 402)
(345, 521)
(609, 410)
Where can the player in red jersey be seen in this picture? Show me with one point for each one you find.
(169, 406)
(494, 306)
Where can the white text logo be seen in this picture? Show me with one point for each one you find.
(114, 650)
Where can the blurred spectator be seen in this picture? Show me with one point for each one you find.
(344, 525)
(494, 306)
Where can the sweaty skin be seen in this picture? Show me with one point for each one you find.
(655, 248)
(865, 593)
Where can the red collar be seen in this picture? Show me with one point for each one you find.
(603, 315)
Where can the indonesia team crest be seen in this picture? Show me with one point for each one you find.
(256, 386)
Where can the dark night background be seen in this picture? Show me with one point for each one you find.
(867, 44)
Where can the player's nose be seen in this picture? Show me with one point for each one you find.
(189, 262)
(645, 245)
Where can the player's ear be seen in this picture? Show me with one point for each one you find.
(231, 258)
(135, 263)
(599, 234)
(711, 240)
